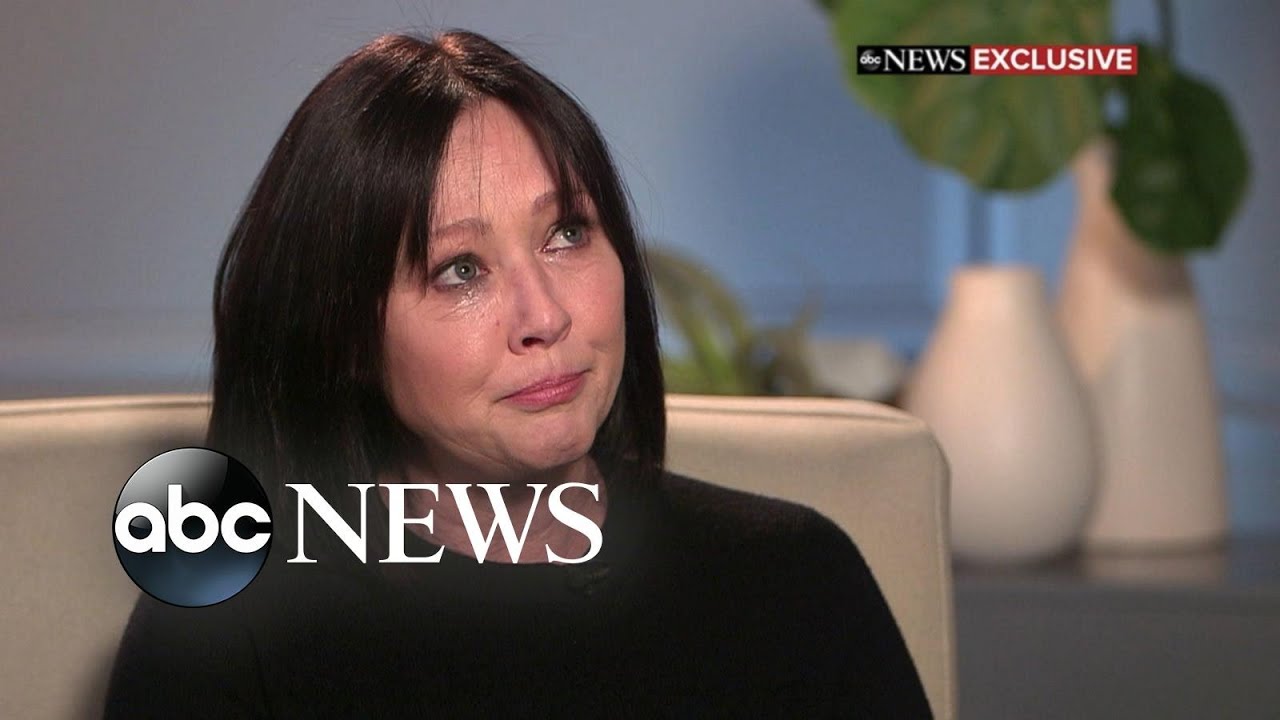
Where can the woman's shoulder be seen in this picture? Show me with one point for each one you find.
(804, 590)
(737, 518)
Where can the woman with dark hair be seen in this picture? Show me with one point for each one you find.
(436, 281)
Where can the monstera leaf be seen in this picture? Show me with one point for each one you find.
(1001, 132)
(1181, 164)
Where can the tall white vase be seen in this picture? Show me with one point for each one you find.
(997, 388)
(1133, 326)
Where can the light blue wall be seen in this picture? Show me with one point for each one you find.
(130, 132)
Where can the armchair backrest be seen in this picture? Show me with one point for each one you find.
(874, 471)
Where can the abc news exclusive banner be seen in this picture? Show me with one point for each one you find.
(997, 59)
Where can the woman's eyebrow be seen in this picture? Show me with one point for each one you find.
(472, 224)
(541, 202)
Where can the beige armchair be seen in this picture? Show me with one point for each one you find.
(875, 471)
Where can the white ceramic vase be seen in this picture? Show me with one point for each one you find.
(1134, 329)
(997, 387)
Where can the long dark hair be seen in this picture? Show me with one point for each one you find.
(300, 294)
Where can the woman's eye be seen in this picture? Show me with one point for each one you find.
(458, 272)
(567, 236)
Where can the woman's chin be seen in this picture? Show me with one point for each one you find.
(549, 442)
(552, 453)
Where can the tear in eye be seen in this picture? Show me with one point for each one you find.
(465, 270)
(567, 236)
(458, 272)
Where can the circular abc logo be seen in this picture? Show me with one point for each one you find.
(192, 527)
(870, 59)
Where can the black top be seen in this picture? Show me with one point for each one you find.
(703, 602)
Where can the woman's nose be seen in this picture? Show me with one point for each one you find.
(540, 319)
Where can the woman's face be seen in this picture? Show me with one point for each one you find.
(508, 358)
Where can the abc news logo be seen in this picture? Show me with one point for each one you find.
(997, 59)
(192, 527)
(913, 60)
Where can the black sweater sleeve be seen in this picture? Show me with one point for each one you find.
(820, 636)
(879, 679)
(184, 662)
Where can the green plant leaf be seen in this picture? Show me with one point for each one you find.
(684, 376)
(1181, 165)
(1001, 132)
(725, 355)
(709, 320)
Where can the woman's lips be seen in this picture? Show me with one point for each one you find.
(549, 392)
